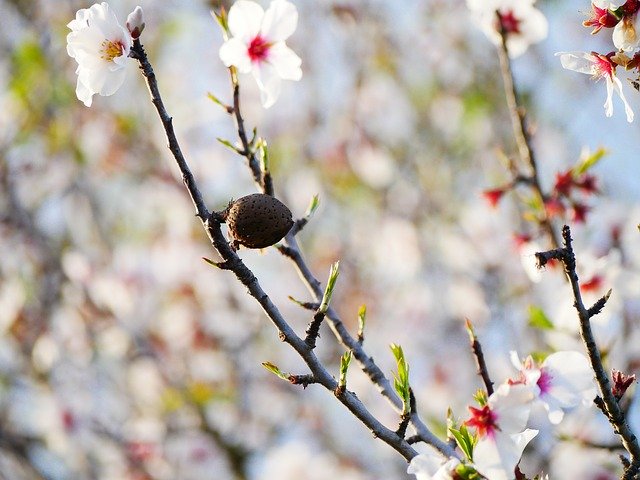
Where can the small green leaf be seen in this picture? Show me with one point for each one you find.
(588, 160)
(464, 439)
(401, 379)
(313, 206)
(538, 319)
(275, 370)
(480, 397)
(217, 101)
(222, 20)
(362, 320)
(331, 284)
(345, 361)
(228, 144)
(263, 153)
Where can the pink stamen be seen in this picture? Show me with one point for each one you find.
(509, 23)
(258, 49)
(545, 381)
(483, 420)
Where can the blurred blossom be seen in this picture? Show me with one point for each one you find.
(521, 22)
(598, 66)
(101, 47)
(430, 465)
(564, 380)
(258, 45)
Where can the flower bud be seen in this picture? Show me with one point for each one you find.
(135, 23)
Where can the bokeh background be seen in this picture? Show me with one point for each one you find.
(124, 356)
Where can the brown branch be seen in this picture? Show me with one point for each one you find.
(211, 223)
(481, 364)
(521, 132)
(608, 403)
(262, 179)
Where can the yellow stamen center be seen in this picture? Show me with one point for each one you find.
(111, 50)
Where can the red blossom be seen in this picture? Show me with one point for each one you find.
(600, 17)
(629, 8)
(493, 196)
(621, 382)
(554, 207)
(593, 284)
(521, 239)
(588, 183)
(564, 183)
(579, 211)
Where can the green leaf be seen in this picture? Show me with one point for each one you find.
(480, 397)
(263, 152)
(331, 284)
(313, 206)
(275, 370)
(538, 319)
(465, 440)
(588, 160)
(228, 144)
(345, 361)
(401, 379)
(217, 101)
(362, 319)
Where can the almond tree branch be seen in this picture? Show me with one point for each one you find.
(611, 406)
(521, 133)
(232, 262)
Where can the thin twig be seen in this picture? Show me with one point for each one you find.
(521, 133)
(230, 258)
(478, 354)
(609, 405)
(262, 179)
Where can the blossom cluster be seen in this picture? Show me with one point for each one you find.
(622, 17)
(561, 382)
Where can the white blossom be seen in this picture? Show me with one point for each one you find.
(599, 66)
(564, 380)
(258, 45)
(430, 465)
(500, 430)
(522, 23)
(101, 47)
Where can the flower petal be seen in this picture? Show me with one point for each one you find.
(581, 62)
(285, 61)
(234, 52)
(268, 82)
(244, 20)
(496, 457)
(280, 21)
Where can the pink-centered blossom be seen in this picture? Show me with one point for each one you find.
(521, 22)
(101, 47)
(598, 66)
(257, 45)
(500, 429)
(564, 380)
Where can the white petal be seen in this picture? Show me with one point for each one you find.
(617, 86)
(285, 61)
(626, 35)
(280, 21)
(244, 20)
(234, 52)
(581, 62)
(269, 83)
(512, 405)
(608, 103)
(496, 457)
